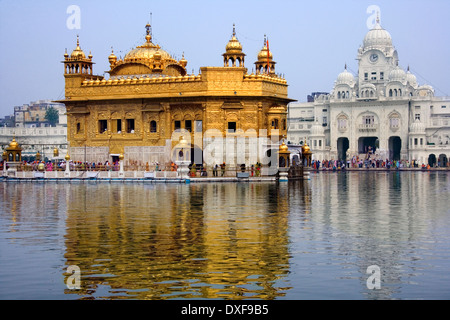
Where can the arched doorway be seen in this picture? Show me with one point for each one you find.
(367, 144)
(443, 160)
(342, 147)
(432, 160)
(395, 147)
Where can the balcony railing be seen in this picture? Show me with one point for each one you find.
(368, 127)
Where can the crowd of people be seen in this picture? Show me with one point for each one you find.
(217, 169)
(356, 162)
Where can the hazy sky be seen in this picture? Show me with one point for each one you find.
(310, 40)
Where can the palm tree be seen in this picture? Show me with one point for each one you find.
(52, 116)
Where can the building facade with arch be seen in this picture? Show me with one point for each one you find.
(381, 112)
(149, 95)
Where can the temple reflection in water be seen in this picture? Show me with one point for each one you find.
(169, 241)
(298, 240)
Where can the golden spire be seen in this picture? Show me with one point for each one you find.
(148, 36)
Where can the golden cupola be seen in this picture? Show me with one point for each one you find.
(112, 58)
(265, 63)
(77, 53)
(77, 63)
(233, 56)
(147, 59)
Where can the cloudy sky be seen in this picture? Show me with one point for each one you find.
(311, 40)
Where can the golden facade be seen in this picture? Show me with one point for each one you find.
(149, 95)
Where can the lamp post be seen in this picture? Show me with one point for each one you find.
(67, 172)
(121, 172)
(283, 162)
(4, 157)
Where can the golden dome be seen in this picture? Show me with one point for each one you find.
(78, 53)
(306, 149)
(148, 50)
(233, 45)
(283, 148)
(67, 157)
(183, 61)
(262, 55)
(112, 57)
(13, 145)
(121, 157)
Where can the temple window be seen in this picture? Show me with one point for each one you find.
(188, 125)
(153, 126)
(130, 125)
(275, 124)
(177, 124)
(102, 126)
(232, 127)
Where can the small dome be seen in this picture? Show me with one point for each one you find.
(417, 127)
(306, 149)
(317, 129)
(262, 55)
(112, 58)
(377, 37)
(78, 53)
(14, 144)
(283, 148)
(183, 61)
(411, 78)
(233, 46)
(345, 77)
(397, 74)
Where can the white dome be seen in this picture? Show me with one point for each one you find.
(377, 37)
(345, 78)
(397, 74)
(417, 127)
(411, 79)
(317, 129)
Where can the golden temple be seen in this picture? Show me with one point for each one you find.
(149, 96)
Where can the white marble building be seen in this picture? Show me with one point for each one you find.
(34, 134)
(382, 108)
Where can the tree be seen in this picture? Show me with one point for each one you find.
(52, 116)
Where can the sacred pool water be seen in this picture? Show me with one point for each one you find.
(354, 235)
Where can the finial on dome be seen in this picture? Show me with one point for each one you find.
(345, 67)
(148, 35)
(378, 17)
(234, 30)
